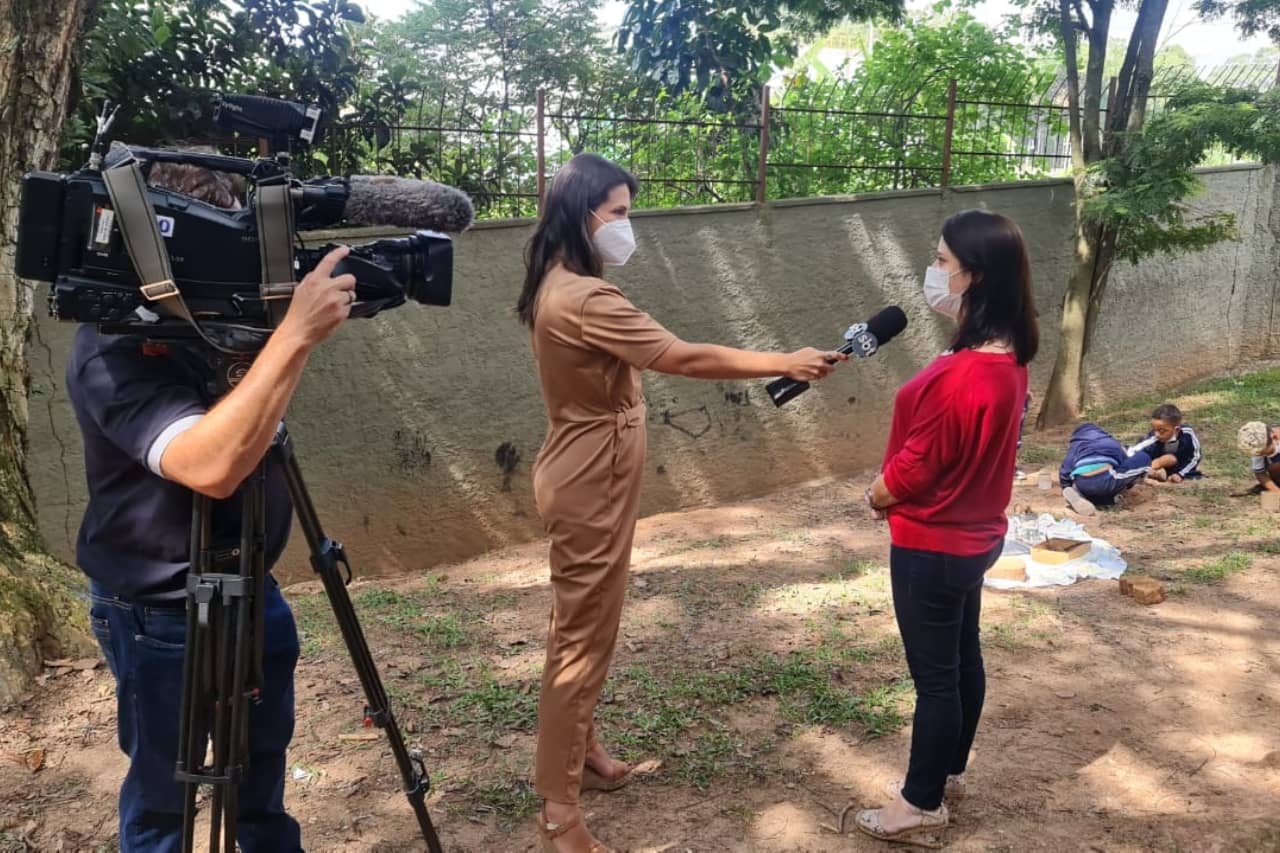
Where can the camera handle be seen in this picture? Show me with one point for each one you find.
(222, 667)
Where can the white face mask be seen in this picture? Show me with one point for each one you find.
(614, 240)
(937, 292)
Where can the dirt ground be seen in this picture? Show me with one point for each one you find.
(759, 660)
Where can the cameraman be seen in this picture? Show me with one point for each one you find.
(152, 435)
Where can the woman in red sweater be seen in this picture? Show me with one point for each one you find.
(945, 486)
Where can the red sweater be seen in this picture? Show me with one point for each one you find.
(952, 453)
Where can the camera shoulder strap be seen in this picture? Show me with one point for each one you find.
(274, 211)
(136, 219)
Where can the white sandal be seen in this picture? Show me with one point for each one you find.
(920, 835)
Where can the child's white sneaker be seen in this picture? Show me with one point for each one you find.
(1078, 502)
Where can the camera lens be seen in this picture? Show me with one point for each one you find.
(424, 263)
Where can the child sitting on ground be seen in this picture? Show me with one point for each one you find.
(1173, 446)
(1097, 469)
(1262, 443)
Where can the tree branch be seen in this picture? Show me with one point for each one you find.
(1135, 74)
(1073, 88)
(1092, 106)
(1083, 21)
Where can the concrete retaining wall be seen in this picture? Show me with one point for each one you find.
(416, 429)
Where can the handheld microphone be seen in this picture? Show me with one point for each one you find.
(862, 340)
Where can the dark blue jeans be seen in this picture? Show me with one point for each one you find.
(937, 599)
(143, 645)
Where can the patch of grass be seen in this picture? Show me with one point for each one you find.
(316, 630)
(715, 542)
(1236, 561)
(809, 695)
(684, 707)
(404, 695)
(510, 801)
(851, 570)
(751, 595)
(442, 632)
(410, 613)
(1029, 608)
(1021, 630)
(877, 582)
(713, 755)
(1204, 522)
(502, 600)
(378, 600)
(1033, 453)
(1004, 635)
(499, 706)
(1271, 547)
(885, 649)
(1210, 498)
(1215, 409)
(451, 677)
(792, 535)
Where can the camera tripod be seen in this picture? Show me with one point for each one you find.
(222, 668)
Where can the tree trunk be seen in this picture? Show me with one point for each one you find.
(1095, 247)
(1063, 397)
(1135, 78)
(42, 616)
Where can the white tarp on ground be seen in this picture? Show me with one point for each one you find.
(1102, 561)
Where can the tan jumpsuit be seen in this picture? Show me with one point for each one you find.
(590, 344)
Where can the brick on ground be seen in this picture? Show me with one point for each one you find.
(1143, 590)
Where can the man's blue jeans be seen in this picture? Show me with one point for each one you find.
(143, 645)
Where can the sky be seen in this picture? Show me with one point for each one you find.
(1208, 43)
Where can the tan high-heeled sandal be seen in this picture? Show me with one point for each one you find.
(593, 781)
(920, 835)
(548, 832)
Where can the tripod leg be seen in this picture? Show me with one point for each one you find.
(192, 723)
(227, 653)
(221, 667)
(326, 556)
(244, 613)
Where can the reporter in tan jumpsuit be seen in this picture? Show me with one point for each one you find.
(590, 344)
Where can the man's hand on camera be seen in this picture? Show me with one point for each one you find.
(320, 302)
(215, 453)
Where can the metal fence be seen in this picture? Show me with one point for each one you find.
(932, 133)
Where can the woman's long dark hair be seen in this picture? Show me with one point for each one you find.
(999, 304)
(562, 234)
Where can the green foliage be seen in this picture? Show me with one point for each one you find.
(476, 57)
(1219, 569)
(728, 49)
(1147, 185)
(687, 152)
(449, 91)
(163, 60)
(886, 125)
(1268, 57)
(1252, 16)
(446, 92)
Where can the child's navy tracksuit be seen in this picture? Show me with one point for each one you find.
(1092, 445)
